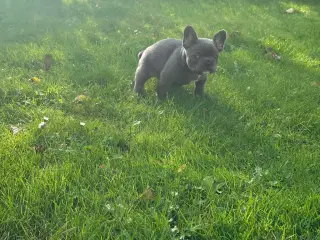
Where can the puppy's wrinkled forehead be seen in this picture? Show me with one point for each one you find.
(204, 47)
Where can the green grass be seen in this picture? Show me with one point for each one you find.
(250, 146)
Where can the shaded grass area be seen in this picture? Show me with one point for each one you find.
(250, 148)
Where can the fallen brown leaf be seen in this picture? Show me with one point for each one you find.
(181, 168)
(35, 79)
(158, 162)
(39, 149)
(316, 84)
(80, 98)
(15, 130)
(234, 33)
(147, 194)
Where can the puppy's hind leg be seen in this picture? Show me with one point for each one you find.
(141, 76)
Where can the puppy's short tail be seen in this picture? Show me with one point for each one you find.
(140, 54)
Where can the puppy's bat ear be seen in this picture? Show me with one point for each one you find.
(219, 39)
(189, 37)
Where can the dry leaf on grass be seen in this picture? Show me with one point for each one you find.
(15, 130)
(271, 53)
(181, 168)
(158, 162)
(148, 194)
(39, 149)
(35, 79)
(135, 123)
(42, 125)
(80, 98)
(291, 10)
(234, 33)
(316, 84)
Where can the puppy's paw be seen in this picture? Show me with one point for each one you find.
(161, 96)
(198, 92)
(138, 90)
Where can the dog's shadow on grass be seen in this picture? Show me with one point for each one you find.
(226, 131)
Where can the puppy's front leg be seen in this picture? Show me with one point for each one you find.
(163, 87)
(167, 77)
(199, 89)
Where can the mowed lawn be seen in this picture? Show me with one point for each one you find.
(243, 162)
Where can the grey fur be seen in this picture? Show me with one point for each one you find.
(179, 62)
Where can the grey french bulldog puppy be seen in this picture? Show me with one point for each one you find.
(178, 62)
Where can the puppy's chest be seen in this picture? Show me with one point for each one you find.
(185, 78)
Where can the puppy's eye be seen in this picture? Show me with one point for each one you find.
(196, 56)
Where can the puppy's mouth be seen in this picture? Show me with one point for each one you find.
(196, 71)
(201, 71)
(204, 72)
